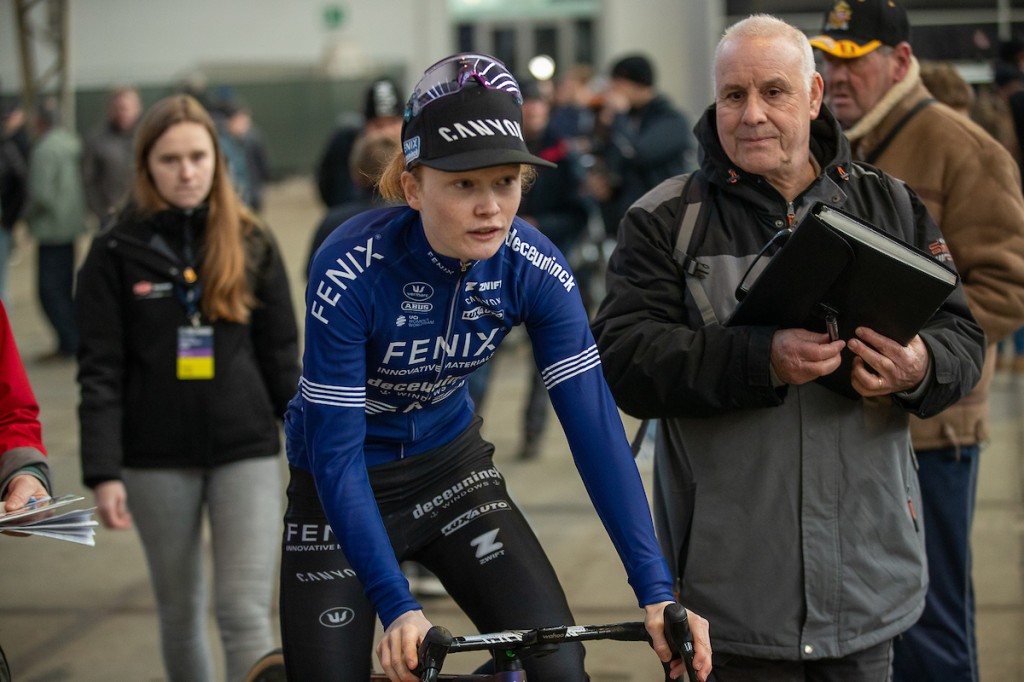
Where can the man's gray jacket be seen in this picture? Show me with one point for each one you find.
(789, 514)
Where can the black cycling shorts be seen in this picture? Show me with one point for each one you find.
(447, 509)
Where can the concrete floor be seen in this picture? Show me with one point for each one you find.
(71, 613)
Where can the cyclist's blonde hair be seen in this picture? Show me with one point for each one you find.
(389, 184)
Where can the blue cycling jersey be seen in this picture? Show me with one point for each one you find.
(392, 331)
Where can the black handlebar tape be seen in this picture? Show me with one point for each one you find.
(432, 653)
(680, 639)
(622, 632)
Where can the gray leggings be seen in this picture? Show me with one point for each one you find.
(243, 501)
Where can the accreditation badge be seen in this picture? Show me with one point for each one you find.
(195, 353)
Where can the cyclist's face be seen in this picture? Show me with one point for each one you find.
(466, 214)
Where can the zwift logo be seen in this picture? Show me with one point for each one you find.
(487, 546)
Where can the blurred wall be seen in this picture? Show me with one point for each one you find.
(155, 41)
(298, 65)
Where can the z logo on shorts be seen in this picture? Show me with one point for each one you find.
(487, 546)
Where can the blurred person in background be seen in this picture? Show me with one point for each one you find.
(1000, 111)
(640, 139)
(943, 80)
(56, 215)
(372, 152)
(971, 186)
(189, 354)
(14, 152)
(107, 163)
(246, 150)
(573, 109)
(382, 112)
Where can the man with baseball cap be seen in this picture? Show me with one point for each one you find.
(381, 115)
(971, 186)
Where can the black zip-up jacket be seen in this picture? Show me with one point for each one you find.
(134, 411)
(644, 147)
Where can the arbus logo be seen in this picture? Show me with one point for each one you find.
(338, 617)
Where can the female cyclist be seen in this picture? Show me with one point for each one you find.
(402, 305)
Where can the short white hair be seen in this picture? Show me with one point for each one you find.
(768, 26)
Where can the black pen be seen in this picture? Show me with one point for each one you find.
(833, 327)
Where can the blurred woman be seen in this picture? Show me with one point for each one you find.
(188, 357)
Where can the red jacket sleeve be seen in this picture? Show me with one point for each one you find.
(21, 439)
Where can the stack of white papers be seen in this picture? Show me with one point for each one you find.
(41, 518)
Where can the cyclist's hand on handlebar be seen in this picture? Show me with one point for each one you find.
(398, 649)
(701, 645)
(700, 631)
(654, 621)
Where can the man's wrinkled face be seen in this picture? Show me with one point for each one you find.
(854, 86)
(764, 106)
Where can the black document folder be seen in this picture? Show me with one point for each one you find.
(836, 265)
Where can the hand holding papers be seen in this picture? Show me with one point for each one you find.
(40, 518)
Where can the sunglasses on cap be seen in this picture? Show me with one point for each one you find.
(451, 74)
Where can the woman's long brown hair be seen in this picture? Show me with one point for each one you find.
(226, 293)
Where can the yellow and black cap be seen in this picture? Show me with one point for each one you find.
(853, 28)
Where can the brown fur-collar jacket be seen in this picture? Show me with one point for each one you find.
(971, 186)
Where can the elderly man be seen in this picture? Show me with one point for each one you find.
(786, 509)
(971, 186)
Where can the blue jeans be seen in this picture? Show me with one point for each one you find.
(56, 277)
(941, 645)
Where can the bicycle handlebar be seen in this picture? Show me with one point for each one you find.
(680, 639)
(439, 642)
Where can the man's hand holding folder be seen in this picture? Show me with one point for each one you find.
(839, 282)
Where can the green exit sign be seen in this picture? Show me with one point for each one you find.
(334, 16)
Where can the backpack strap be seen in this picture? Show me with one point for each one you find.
(906, 212)
(891, 135)
(693, 224)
